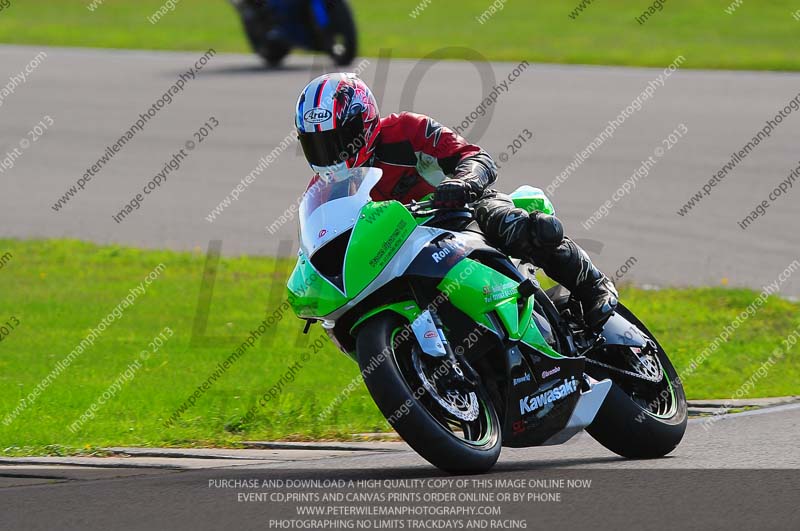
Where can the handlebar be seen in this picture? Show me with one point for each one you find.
(427, 208)
(421, 208)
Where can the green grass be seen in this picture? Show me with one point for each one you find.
(759, 35)
(59, 290)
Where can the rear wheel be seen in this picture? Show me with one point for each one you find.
(645, 412)
(453, 427)
(341, 40)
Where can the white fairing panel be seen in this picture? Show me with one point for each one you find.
(585, 410)
(329, 208)
(427, 335)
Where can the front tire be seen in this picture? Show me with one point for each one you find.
(274, 52)
(256, 21)
(636, 427)
(384, 357)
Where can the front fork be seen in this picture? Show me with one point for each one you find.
(429, 332)
(457, 361)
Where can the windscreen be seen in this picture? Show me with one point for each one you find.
(330, 207)
(321, 191)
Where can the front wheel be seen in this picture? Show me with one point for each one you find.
(645, 412)
(257, 23)
(274, 52)
(456, 430)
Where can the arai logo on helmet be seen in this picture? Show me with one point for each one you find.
(322, 233)
(317, 115)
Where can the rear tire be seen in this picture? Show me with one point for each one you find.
(393, 394)
(624, 428)
(342, 41)
(627, 428)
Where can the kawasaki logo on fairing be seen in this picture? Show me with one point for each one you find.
(530, 404)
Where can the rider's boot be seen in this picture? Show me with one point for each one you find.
(540, 238)
(570, 266)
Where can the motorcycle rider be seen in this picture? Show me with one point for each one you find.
(339, 127)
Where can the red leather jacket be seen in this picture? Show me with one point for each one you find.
(416, 153)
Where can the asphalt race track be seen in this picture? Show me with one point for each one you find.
(742, 472)
(75, 103)
(93, 97)
(723, 477)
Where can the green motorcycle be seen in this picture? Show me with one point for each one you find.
(460, 347)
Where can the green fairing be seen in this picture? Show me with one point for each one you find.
(532, 200)
(380, 231)
(309, 293)
(477, 290)
(408, 309)
(533, 338)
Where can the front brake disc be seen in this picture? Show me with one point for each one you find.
(461, 405)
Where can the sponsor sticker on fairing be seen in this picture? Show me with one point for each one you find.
(551, 372)
(496, 293)
(439, 255)
(526, 378)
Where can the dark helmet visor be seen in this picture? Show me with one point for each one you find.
(325, 148)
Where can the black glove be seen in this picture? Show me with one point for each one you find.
(453, 193)
(546, 231)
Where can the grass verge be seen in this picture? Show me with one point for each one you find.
(58, 290)
(756, 35)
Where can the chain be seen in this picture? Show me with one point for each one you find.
(628, 373)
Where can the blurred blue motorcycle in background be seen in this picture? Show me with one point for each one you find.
(274, 27)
